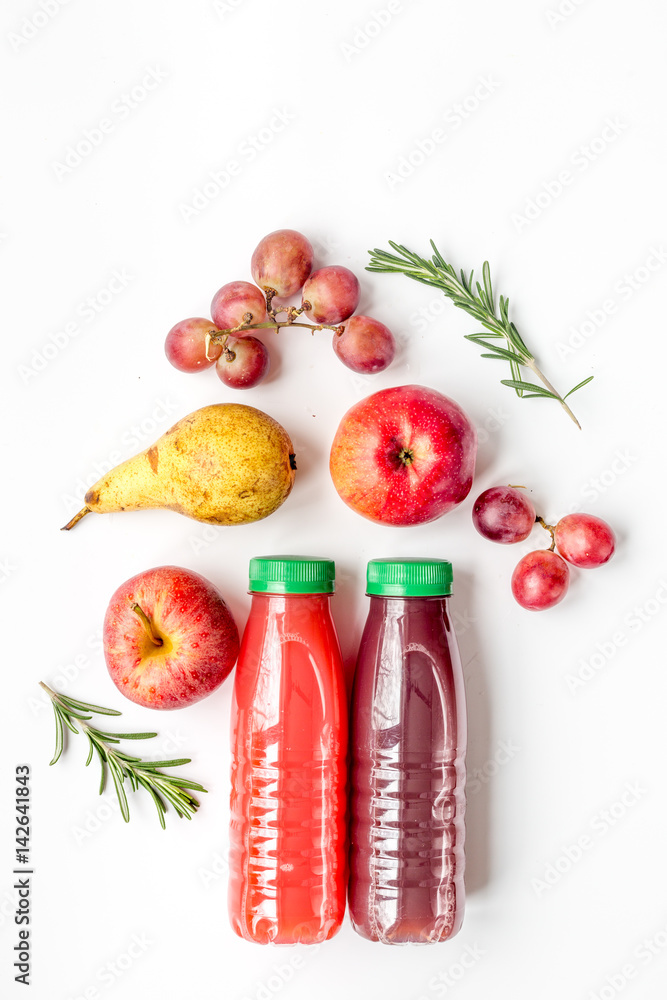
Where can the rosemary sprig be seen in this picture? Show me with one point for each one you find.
(478, 301)
(163, 788)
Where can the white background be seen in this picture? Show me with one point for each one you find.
(358, 99)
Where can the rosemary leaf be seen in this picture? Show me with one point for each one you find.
(115, 737)
(537, 390)
(147, 765)
(585, 382)
(486, 275)
(60, 736)
(71, 712)
(117, 776)
(159, 804)
(103, 768)
(127, 757)
(66, 718)
(86, 706)
(184, 783)
(500, 352)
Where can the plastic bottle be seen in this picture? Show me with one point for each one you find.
(408, 737)
(288, 864)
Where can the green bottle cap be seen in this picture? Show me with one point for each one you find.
(292, 575)
(409, 577)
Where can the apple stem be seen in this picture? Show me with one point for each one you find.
(148, 625)
(76, 519)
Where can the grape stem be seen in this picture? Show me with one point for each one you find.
(220, 336)
(273, 323)
(550, 528)
(270, 294)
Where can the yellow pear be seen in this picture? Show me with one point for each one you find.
(224, 464)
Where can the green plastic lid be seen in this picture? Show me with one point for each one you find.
(409, 577)
(292, 575)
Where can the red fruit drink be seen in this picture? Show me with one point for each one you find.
(408, 736)
(288, 865)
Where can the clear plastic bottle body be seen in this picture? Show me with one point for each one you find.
(288, 864)
(408, 736)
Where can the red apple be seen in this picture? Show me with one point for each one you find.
(169, 638)
(404, 456)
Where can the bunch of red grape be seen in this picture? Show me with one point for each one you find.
(540, 580)
(281, 266)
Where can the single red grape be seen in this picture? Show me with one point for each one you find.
(332, 294)
(248, 366)
(503, 514)
(233, 301)
(365, 345)
(540, 580)
(185, 345)
(584, 540)
(282, 261)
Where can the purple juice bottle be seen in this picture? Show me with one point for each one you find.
(408, 731)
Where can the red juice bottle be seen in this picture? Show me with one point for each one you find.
(288, 863)
(408, 740)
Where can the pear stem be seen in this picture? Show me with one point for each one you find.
(147, 623)
(76, 519)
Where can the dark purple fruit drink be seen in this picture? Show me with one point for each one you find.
(408, 759)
